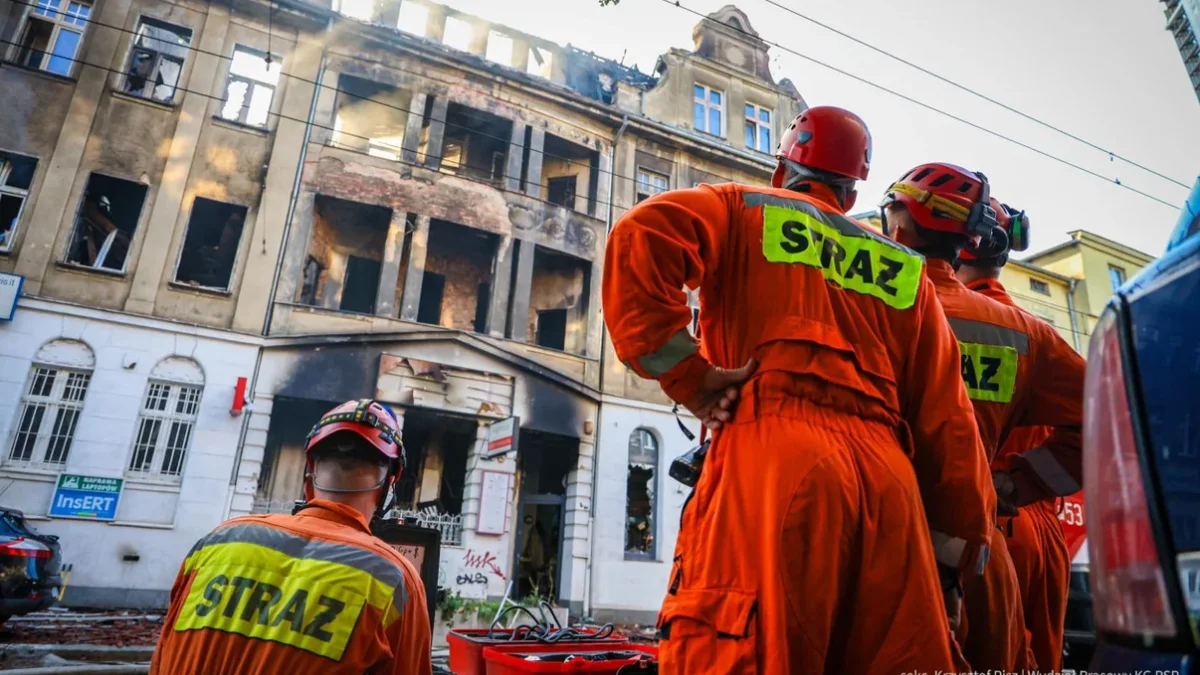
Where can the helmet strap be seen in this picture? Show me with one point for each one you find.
(796, 177)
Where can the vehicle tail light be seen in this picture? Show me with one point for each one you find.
(25, 548)
(1127, 579)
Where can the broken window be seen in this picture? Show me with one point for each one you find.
(106, 223)
(52, 34)
(156, 60)
(16, 175)
(250, 86)
(456, 287)
(558, 301)
(51, 405)
(541, 62)
(370, 117)
(476, 144)
(499, 48)
(164, 430)
(345, 255)
(414, 18)
(458, 34)
(640, 495)
(363, 10)
(571, 172)
(211, 245)
(650, 183)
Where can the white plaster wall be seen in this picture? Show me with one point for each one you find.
(156, 521)
(634, 585)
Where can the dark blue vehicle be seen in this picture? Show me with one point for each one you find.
(1142, 464)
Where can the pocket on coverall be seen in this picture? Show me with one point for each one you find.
(709, 631)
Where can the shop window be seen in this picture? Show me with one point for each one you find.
(167, 421)
(641, 496)
(52, 35)
(51, 405)
(250, 87)
(107, 221)
(211, 245)
(156, 60)
(16, 175)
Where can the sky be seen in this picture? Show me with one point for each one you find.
(1104, 70)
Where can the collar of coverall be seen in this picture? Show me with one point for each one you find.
(337, 513)
(941, 273)
(820, 192)
(993, 289)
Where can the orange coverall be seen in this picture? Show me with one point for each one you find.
(283, 595)
(805, 548)
(1019, 373)
(1035, 541)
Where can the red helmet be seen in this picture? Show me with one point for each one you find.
(947, 198)
(1015, 226)
(372, 421)
(828, 139)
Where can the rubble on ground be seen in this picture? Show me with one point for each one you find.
(112, 629)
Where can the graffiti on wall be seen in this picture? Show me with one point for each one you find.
(468, 572)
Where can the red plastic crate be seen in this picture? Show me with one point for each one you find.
(507, 660)
(466, 647)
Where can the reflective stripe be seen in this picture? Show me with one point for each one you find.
(383, 571)
(855, 261)
(841, 223)
(1047, 468)
(989, 372)
(981, 332)
(949, 551)
(679, 347)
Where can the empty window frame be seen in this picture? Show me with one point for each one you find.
(370, 117)
(758, 128)
(708, 110)
(156, 60)
(499, 48)
(414, 18)
(164, 431)
(641, 498)
(363, 10)
(560, 190)
(106, 224)
(16, 175)
(458, 34)
(250, 87)
(50, 409)
(52, 34)
(650, 183)
(345, 252)
(211, 244)
(541, 62)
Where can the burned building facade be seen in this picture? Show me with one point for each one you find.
(229, 217)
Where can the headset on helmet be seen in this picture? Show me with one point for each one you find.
(371, 421)
(1012, 235)
(947, 198)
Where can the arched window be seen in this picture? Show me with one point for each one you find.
(640, 496)
(168, 419)
(51, 405)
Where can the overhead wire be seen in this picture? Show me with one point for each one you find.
(927, 106)
(974, 92)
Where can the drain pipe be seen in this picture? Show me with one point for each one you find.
(1071, 310)
(287, 228)
(612, 183)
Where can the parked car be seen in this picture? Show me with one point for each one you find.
(29, 566)
(1142, 454)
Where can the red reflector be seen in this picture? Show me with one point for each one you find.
(1126, 575)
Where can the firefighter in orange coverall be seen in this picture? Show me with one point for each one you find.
(314, 592)
(1018, 372)
(805, 548)
(1035, 537)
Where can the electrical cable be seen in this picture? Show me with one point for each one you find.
(937, 110)
(974, 92)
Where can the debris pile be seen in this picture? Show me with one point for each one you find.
(111, 629)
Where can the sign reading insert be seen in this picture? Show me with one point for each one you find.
(91, 497)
